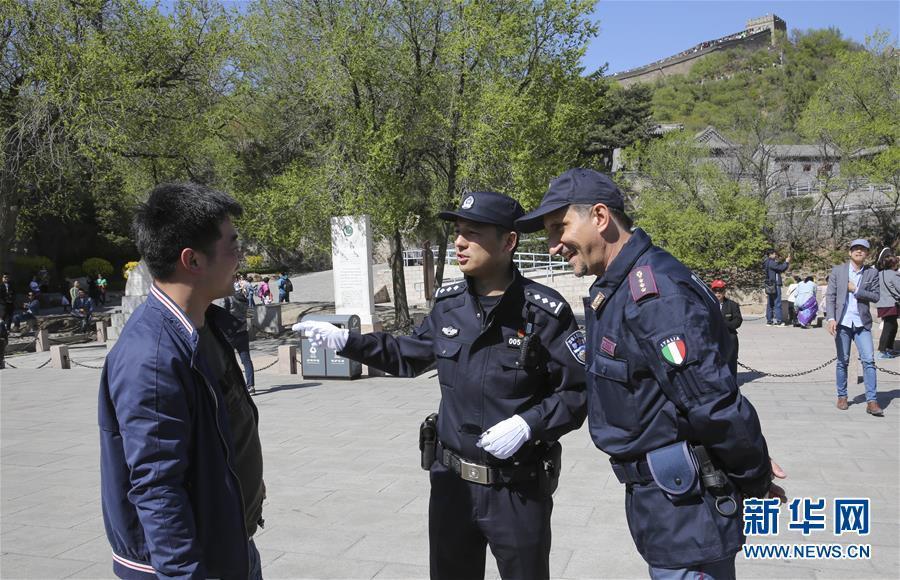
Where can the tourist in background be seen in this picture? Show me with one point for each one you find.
(265, 293)
(852, 286)
(30, 308)
(792, 299)
(101, 286)
(806, 304)
(731, 312)
(888, 304)
(83, 310)
(7, 298)
(285, 287)
(773, 269)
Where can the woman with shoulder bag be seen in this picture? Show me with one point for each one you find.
(887, 307)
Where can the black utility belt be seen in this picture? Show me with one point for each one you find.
(682, 471)
(485, 474)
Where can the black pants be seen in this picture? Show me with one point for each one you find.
(888, 333)
(464, 518)
(8, 313)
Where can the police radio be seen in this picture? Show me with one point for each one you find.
(531, 342)
(428, 440)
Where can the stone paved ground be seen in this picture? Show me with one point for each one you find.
(347, 499)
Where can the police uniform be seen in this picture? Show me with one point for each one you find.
(477, 499)
(659, 388)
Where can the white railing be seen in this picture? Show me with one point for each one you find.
(539, 264)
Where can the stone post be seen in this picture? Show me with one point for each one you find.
(287, 359)
(42, 342)
(101, 331)
(59, 357)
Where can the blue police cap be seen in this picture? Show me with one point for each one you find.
(574, 186)
(487, 207)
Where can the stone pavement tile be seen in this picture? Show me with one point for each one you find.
(290, 536)
(96, 571)
(25, 566)
(400, 548)
(50, 515)
(36, 459)
(96, 550)
(45, 542)
(774, 569)
(402, 572)
(313, 567)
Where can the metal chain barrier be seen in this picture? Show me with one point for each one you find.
(12, 366)
(43, 364)
(268, 366)
(887, 371)
(85, 365)
(787, 375)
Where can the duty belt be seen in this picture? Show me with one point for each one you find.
(637, 471)
(485, 474)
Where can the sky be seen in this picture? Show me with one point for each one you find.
(638, 32)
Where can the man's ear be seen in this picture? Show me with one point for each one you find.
(511, 239)
(601, 216)
(189, 260)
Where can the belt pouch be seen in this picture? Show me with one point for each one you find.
(428, 440)
(674, 470)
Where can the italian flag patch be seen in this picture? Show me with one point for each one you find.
(673, 349)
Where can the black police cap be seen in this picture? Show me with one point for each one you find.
(581, 186)
(487, 207)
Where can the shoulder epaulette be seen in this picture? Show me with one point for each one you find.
(450, 290)
(551, 304)
(642, 283)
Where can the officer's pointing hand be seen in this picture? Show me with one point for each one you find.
(320, 333)
(505, 438)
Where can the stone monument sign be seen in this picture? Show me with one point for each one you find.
(351, 255)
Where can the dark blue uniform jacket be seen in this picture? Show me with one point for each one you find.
(171, 500)
(657, 374)
(481, 380)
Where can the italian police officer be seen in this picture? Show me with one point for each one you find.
(509, 359)
(661, 399)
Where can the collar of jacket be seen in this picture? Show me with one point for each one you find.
(618, 269)
(170, 311)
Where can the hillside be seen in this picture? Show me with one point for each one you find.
(741, 91)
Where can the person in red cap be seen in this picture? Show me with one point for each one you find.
(731, 312)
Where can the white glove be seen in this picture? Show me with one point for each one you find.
(505, 438)
(320, 333)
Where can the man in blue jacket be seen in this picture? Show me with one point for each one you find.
(180, 457)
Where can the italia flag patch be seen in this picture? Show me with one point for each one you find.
(673, 349)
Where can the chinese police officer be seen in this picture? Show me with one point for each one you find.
(510, 362)
(661, 399)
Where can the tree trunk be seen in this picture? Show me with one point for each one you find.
(9, 214)
(401, 306)
(442, 254)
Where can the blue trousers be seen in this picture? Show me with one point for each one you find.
(773, 306)
(863, 340)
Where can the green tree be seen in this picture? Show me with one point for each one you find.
(856, 109)
(694, 210)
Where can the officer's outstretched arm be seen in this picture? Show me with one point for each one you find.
(564, 408)
(680, 341)
(402, 356)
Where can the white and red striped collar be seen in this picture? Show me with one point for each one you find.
(174, 308)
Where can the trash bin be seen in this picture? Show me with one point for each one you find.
(321, 362)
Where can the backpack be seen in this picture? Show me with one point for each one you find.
(288, 285)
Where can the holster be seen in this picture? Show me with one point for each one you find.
(428, 440)
(550, 466)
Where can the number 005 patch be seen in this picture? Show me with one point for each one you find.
(576, 344)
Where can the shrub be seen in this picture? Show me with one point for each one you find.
(73, 271)
(92, 266)
(127, 268)
(27, 266)
(254, 263)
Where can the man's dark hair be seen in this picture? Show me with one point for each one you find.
(178, 216)
(620, 217)
(770, 251)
